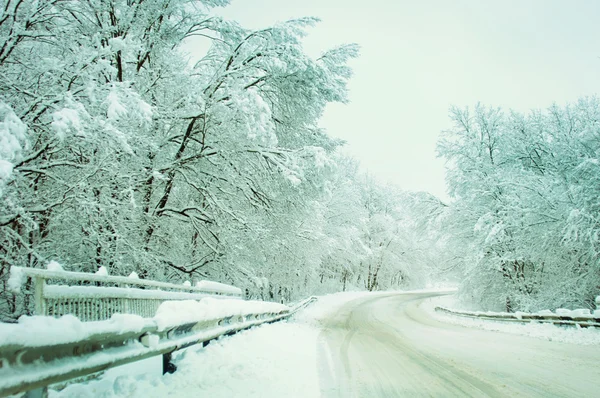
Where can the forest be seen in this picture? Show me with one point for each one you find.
(117, 151)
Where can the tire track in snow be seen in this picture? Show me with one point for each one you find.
(385, 346)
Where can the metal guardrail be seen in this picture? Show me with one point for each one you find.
(25, 368)
(557, 319)
(97, 297)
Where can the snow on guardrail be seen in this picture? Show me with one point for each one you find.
(36, 331)
(42, 350)
(578, 317)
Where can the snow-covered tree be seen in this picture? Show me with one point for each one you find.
(117, 152)
(523, 186)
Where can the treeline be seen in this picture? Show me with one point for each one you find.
(525, 220)
(116, 152)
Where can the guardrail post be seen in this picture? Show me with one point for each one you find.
(168, 366)
(37, 393)
(38, 295)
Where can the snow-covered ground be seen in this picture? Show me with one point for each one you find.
(267, 361)
(285, 358)
(545, 331)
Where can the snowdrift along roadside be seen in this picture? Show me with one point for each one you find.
(267, 361)
(564, 334)
(274, 360)
(36, 331)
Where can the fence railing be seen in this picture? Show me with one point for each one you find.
(32, 364)
(24, 368)
(582, 318)
(92, 297)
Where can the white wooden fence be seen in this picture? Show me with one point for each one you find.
(92, 297)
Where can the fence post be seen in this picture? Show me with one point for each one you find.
(38, 294)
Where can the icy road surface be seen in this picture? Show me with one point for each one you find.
(387, 346)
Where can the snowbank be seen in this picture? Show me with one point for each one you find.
(274, 360)
(277, 360)
(546, 331)
(173, 313)
(35, 331)
(557, 314)
(268, 361)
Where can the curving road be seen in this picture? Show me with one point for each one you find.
(386, 346)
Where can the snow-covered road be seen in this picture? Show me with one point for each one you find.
(371, 345)
(388, 346)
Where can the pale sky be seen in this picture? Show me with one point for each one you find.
(420, 57)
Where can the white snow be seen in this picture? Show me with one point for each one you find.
(134, 275)
(546, 331)
(16, 280)
(153, 341)
(218, 287)
(113, 380)
(6, 169)
(545, 313)
(13, 141)
(271, 360)
(563, 312)
(64, 121)
(35, 331)
(326, 306)
(62, 291)
(118, 43)
(56, 272)
(102, 271)
(54, 266)
(277, 360)
(171, 313)
(68, 328)
(580, 313)
(115, 108)
(145, 110)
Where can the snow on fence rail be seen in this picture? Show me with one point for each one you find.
(39, 351)
(98, 297)
(563, 317)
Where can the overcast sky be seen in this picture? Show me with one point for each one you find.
(420, 57)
